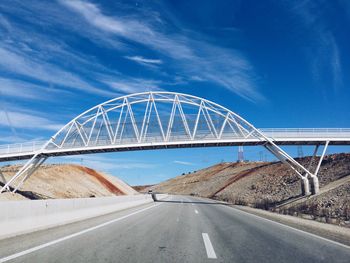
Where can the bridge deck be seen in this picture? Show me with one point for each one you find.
(280, 136)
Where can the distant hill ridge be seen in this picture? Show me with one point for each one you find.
(270, 184)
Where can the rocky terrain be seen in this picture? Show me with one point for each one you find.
(65, 181)
(272, 186)
(142, 188)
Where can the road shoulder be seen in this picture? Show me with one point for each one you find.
(328, 231)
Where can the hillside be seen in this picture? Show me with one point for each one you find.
(267, 185)
(65, 181)
(142, 188)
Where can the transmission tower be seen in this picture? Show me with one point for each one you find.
(261, 156)
(300, 151)
(240, 154)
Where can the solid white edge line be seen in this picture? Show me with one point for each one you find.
(208, 246)
(283, 225)
(33, 249)
(292, 228)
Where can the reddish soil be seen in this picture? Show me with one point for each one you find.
(111, 187)
(237, 177)
(273, 185)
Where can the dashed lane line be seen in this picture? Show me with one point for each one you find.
(208, 246)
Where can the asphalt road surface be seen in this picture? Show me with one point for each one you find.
(178, 229)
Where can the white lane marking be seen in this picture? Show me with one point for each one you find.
(208, 246)
(292, 228)
(33, 249)
(196, 211)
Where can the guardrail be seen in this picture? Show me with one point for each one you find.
(29, 147)
(307, 132)
(276, 133)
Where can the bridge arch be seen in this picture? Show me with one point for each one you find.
(176, 117)
(153, 120)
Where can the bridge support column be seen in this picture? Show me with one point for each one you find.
(25, 172)
(314, 185)
(314, 182)
(305, 187)
(309, 181)
(2, 176)
(294, 165)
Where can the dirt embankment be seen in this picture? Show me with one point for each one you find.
(205, 182)
(65, 181)
(142, 188)
(109, 185)
(270, 185)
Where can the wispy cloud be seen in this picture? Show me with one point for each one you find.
(189, 53)
(145, 61)
(93, 14)
(112, 166)
(322, 51)
(4, 23)
(128, 28)
(21, 64)
(25, 90)
(48, 59)
(27, 121)
(134, 85)
(197, 78)
(227, 68)
(183, 163)
(103, 163)
(12, 139)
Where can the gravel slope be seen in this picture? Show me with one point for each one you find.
(66, 181)
(268, 185)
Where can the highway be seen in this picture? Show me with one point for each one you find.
(177, 229)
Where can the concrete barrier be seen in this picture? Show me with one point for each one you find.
(20, 217)
(156, 197)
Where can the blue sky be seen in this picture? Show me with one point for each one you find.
(276, 63)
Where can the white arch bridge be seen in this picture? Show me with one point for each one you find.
(158, 120)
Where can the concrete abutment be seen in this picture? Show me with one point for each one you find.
(305, 187)
(310, 186)
(314, 185)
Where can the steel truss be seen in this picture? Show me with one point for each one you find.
(152, 118)
(4, 181)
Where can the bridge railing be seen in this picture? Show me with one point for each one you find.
(327, 133)
(276, 133)
(25, 147)
(151, 138)
(30, 147)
